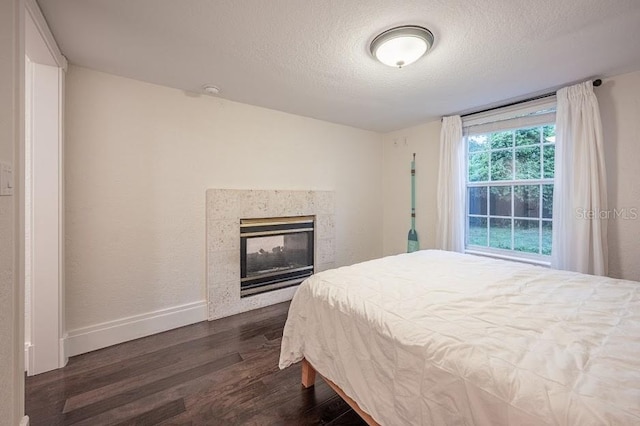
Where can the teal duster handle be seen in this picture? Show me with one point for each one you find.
(413, 192)
(412, 241)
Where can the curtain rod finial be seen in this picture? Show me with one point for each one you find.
(597, 82)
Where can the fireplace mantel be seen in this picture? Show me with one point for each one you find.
(225, 208)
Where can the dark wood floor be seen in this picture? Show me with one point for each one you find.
(223, 372)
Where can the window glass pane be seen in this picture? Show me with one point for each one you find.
(549, 133)
(509, 211)
(549, 154)
(526, 235)
(502, 165)
(478, 143)
(478, 231)
(500, 200)
(479, 167)
(547, 201)
(526, 201)
(528, 136)
(547, 227)
(501, 139)
(478, 200)
(500, 233)
(528, 162)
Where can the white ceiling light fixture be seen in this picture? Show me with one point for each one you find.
(401, 46)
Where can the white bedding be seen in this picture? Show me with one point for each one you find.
(440, 338)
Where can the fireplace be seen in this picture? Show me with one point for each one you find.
(275, 253)
(225, 209)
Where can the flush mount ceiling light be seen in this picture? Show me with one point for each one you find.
(401, 46)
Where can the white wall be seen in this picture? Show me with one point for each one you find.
(11, 322)
(138, 159)
(619, 99)
(424, 140)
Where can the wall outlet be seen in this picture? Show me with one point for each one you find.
(6, 179)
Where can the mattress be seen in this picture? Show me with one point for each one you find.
(441, 338)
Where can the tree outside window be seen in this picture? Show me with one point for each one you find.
(510, 189)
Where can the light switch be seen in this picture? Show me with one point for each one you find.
(6, 179)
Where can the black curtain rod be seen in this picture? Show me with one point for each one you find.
(596, 83)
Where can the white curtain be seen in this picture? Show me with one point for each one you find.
(451, 187)
(580, 198)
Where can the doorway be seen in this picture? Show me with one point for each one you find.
(43, 200)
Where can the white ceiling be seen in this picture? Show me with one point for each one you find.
(310, 57)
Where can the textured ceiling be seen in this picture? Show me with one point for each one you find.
(310, 57)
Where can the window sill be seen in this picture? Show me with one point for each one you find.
(514, 258)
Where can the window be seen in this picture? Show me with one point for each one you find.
(510, 186)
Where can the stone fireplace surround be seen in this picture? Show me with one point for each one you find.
(225, 208)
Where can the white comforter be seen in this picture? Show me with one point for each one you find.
(439, 338)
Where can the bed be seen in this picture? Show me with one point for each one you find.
(441, 338)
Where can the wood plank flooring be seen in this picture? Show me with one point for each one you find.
(223, 372)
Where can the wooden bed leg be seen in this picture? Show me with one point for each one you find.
(309, 379)
(308, 374)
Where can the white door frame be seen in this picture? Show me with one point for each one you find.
(45, 77)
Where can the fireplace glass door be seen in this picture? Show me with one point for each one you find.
(275, 253)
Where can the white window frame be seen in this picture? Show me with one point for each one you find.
(536, 113)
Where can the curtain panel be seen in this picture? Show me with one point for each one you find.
(580, 198)
(450, 228)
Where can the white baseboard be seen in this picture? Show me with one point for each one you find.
(99, 336)
(24, 421)
(27, 356)
(62, 351)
